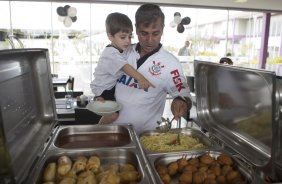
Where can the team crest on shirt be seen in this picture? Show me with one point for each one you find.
(156, 68)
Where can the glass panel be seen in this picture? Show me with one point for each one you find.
(71, 46)
(32, 26)
(4, 24)
(75, 50)
(274, 60)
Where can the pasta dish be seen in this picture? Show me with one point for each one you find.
(167, 142)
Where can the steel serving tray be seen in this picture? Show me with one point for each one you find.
(195, 133)
(172, 157)
(240, 108)
(94, 136)
(107, 156)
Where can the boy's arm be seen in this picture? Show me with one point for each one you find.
(143, 83)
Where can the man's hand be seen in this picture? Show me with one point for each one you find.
(180, 107)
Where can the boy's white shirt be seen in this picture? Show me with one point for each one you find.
(108, 70)
(144, 108)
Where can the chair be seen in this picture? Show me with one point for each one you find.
(55, 88)
(84, 116)
(62, 94)
(54, 75)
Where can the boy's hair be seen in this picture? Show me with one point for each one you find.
(116, 22)
(148, 14)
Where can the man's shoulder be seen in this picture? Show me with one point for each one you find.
(168, 56)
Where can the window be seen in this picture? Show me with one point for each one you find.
(74, 50)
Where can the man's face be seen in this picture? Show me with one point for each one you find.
(149, 37)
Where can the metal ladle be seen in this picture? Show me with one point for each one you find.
(164, 125)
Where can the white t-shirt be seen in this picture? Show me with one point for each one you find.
(108, 70)
(144, 108)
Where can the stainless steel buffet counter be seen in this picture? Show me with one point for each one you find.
(238, 108)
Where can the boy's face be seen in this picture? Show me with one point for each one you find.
(121, 40)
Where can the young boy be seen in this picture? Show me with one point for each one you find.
(112, 62)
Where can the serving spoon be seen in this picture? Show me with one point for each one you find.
(164, 125)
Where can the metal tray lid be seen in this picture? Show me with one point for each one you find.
(27, 113)
(237, 105)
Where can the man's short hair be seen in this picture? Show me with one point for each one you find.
(148, 14)
(116, 22)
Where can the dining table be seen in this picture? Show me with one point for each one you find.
(60, 82)
(74, 114)
(64, 113)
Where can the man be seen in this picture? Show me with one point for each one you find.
(184, 50)
(143, 108)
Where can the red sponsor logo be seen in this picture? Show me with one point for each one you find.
(177, 80)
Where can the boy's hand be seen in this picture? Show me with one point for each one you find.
(143, 83)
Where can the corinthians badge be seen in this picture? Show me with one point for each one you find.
(156, 68)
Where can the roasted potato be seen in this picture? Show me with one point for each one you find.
(93, 164)
(161, 169)
(64, 165)
(210, 181)
(49, 173)
(80, 164)
(182, 162)
(86, 177)
(224, 159)
(206, 159)
(110, 178)
(194, 161)
(129, 176)
(127, 167)
(172, 168)
(221, 179)
(186, 177)
(189, 167)
(67, 181)
(198, 177)
(165, 178)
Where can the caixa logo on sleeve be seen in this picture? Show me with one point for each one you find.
(177, 80)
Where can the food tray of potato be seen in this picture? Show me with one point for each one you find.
(200, 168)
(175, 140)
(108, 166)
